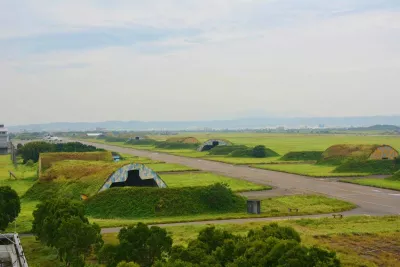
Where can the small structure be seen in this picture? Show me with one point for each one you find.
(11, 252)
(209, 144)
(4, 140)
(94, 134)
(134, 175)
(254, 206)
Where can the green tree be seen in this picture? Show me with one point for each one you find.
(259, 151)
(139, 244)
(272, 245)
(10, 206)
(61, 223)
(32, 150)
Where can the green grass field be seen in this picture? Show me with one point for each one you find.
(169, 167)
(380, 183)
(203, 179)
(308, 170)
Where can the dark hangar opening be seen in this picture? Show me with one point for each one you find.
(135, 180)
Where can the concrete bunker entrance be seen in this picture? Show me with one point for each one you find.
(135, 180)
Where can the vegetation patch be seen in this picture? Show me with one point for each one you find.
(47, 159)
(206, 179)
(368, 166)
(313, 170)
(185, 140)
(395, 177)
(175, 145)
(302, 156)
(152, 202)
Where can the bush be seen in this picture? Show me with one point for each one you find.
(369, 166)
(130, 202)
(395, 177)
(10, 206)
(302, 155)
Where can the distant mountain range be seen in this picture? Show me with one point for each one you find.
(243, 123)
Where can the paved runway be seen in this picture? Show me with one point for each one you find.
(370, 201)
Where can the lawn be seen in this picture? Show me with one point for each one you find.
(204, 179)
(380, 183)
(169, 167)
(308, 170)
(271, 207)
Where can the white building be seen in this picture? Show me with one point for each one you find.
(4, 140)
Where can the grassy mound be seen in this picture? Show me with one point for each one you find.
(226, 150)
(338, 154)
(302, 155)
(132, 202)
(176, 145)
(185, 140)
(47, 159)
(143, 142)
(239, 151)
(395, 177)
(369, 166)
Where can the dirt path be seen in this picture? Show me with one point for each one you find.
(370, 201)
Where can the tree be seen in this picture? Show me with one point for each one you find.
(61, 223)
(270, 246)
(10, 206)
(32, 150)
(139, 244)
(259, 151)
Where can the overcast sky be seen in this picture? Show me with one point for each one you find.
(197, 59)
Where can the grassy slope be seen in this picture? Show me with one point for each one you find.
(308, 170)
(380, 183)
(272, 207)
(202, 179)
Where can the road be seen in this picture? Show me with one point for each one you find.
(370, 201)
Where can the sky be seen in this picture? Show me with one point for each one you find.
(155, 60)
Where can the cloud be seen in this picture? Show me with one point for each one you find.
(182, 60)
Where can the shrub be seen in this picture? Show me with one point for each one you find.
(302, 155)
(131, 202)
(10, 206)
